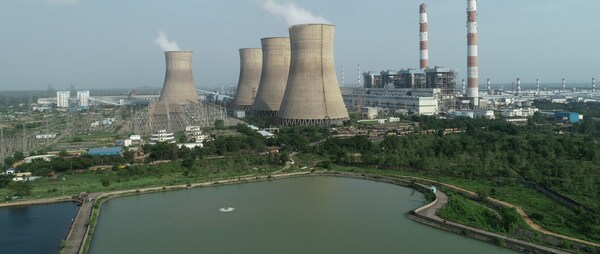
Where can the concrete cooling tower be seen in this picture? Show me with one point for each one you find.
(312, 95)
(275, 72)
(250, 71)
(179, 86)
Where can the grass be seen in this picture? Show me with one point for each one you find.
(164, 175)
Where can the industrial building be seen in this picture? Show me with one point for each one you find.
(275, 71)
(62, 99)
(251, 61)
(413, 82)
(179, 104)
(108, 151)
(83, 98)
(312, 95)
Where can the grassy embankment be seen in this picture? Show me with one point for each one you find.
(167, 174)
(541, 209)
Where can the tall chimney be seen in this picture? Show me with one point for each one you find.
(275, 70)
(519, 86)
(424, 35)
(472, 61)
(564, 85)
(179, 86)
(312, 95)
(250, 71)
(464, 87)
(489, 87)
(594, 85)
(537, 85)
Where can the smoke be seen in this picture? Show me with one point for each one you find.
(164, 42)
(293, 14)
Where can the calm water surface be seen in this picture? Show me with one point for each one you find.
(35, 229)
(299, 215)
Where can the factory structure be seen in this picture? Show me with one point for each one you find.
(275, 71)
(292, 79)
(179, 105)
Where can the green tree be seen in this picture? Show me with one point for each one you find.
(219, 124)
(21, 189)
(19, 156)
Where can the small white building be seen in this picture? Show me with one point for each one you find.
(46, 157)
(519, 112)
(239, 114)
(162, 136)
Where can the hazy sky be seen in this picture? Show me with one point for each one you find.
(110, 43)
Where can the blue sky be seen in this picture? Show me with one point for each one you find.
(109, 43)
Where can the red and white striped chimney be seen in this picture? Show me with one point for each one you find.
(472, 61)
(424, 35)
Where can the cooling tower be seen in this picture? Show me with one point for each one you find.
(179, 86)
(275, 71)
(312, 95)
(250, 71)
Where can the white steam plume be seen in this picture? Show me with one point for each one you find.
(293, 14)
(164, 42)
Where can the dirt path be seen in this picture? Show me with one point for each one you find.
(525, 217)
(430, 211)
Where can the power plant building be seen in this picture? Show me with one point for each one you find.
(83, 97)
(62, 99)
(251, 61)
(179, 103)
(312, 95)
(276, 54)
(179, 86)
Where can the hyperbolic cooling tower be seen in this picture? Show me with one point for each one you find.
(312, 95)
(250, 71)
(275, 71)
(179, 86)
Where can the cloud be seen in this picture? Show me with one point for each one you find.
(164, 42)
(61, 2)
(293, 14)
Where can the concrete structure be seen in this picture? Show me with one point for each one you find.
(369, 112)
(312, 95)
(83, 98)
(424, 35)
(472, 55)
(594, 85)
(109, 151)
(162, 136)
(276, 54)
(564, 85)
(179, 86)
(62, 99)
(251, 61)
(519, 112)
(488, 114)
(46, 157)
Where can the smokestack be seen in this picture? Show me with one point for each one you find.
(275, 70)
(537, 85)
(464, 87)
(250, 71)
(489, 87)
(179, 86)
(424, 35)
(312, 95)
(594, 85)
(564, 85)
(518, 86)
(472, 55)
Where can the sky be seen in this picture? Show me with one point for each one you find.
(96, 44)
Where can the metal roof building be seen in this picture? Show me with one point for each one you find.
(107, 151)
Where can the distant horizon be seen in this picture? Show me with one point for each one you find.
(74, 42)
